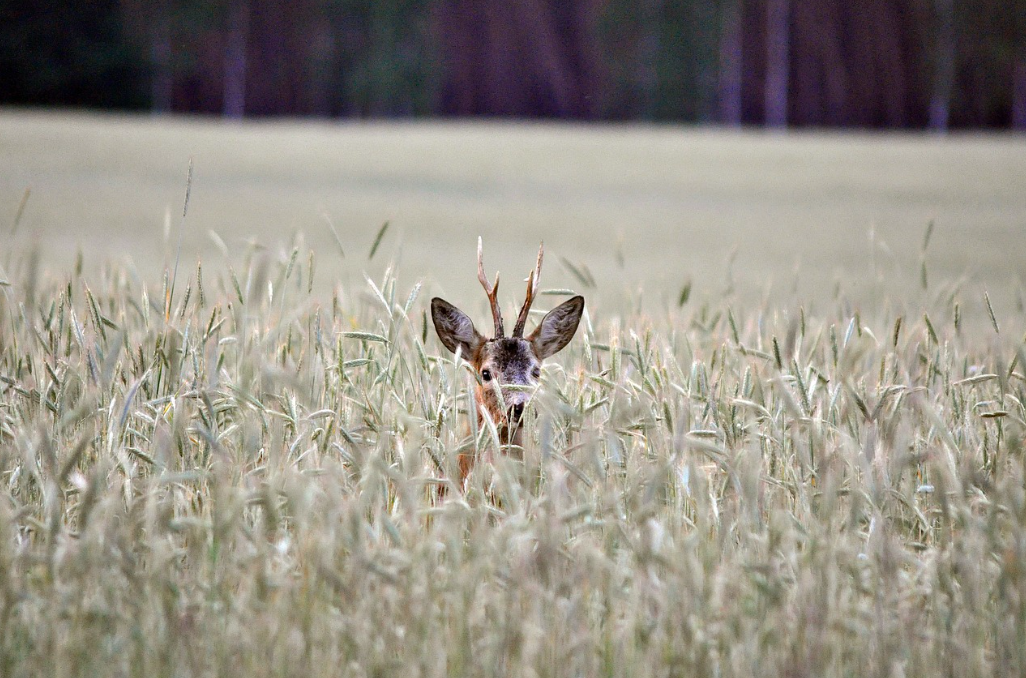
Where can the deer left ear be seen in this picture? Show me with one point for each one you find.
(557, 328)
(454, 328)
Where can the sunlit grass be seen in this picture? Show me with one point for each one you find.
(232, 474)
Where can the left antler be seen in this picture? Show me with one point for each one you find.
(532, 288)
(491, 290)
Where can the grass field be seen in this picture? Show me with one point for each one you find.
(810, 465)
(642, 208)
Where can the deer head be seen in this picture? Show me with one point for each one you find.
(502, 362)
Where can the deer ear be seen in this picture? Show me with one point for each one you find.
(454, 328)
(557, 328)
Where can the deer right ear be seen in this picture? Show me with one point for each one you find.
(557, 328)
(454, 328)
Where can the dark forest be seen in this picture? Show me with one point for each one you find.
(934, 64)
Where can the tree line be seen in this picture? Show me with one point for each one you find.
(835, 63)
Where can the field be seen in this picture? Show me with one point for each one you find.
(787, 439)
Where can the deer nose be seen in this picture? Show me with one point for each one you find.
(516, 412)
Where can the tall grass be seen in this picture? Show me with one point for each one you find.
(238, 477)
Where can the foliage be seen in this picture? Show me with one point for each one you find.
(390, 65)
(61, 53)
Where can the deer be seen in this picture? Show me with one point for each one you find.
(502, 362)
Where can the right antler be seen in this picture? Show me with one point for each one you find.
(532, 289)
(492, 291)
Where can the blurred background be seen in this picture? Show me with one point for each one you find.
(934, 64)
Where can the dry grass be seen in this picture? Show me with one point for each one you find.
(244, 481)
(240, 476)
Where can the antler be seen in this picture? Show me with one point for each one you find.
(492, 291)
(532, 287)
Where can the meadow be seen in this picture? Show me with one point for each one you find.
(787, 439)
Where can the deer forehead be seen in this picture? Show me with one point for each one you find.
(510, 356)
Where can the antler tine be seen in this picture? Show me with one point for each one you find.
(491, 290)
(532, 288)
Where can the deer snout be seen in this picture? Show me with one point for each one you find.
(516, 401)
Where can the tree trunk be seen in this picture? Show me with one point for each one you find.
(777, 61)
(818, 70)
(648, 57)
(555, 92)
(1019, 93)
(1018, 121)
(944, 66)
(162, 79)
(731, 55)
(321, 83)
(234, 105)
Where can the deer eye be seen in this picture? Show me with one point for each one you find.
(536, 372)
(486, 375)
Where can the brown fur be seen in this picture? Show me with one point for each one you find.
(505, 361)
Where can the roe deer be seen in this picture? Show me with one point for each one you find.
(501, 362)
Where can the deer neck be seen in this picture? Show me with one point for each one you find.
(507, 435)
